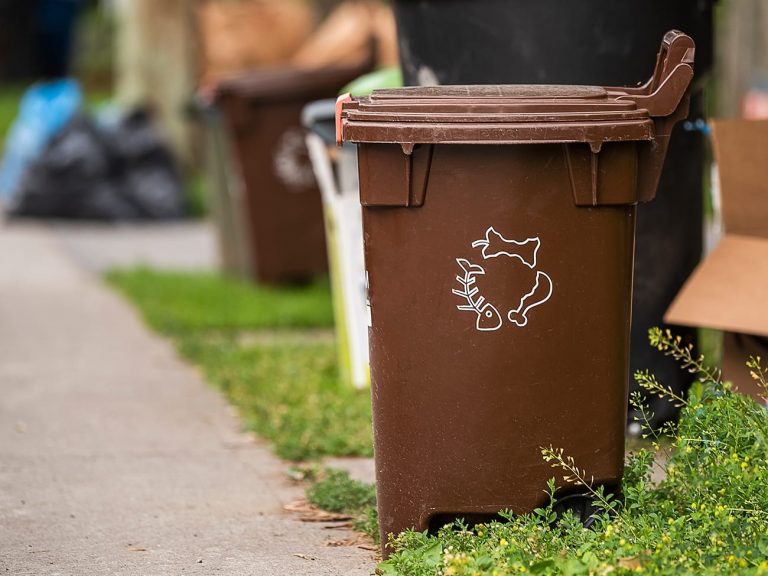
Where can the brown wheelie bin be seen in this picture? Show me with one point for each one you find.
(499, 227)
(283, 213)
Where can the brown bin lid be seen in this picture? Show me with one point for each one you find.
(499, 114)
(521, 113)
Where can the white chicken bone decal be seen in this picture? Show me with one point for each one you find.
(539, 294)
(494, 245)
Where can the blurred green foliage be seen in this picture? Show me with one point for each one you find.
(178, 303)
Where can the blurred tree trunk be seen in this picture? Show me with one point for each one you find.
(157, 64)
(742, 52)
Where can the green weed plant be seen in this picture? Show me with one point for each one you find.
(334, 491)
(708, 516)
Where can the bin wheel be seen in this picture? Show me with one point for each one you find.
(580, 505)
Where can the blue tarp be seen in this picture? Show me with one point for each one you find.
(44, 110)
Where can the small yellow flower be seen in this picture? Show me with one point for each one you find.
(688, 449)
(503, 542)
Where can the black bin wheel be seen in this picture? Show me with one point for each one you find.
(580, 505)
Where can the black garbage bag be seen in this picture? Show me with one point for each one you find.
(146, 166)
(75, 177)
(89, 172)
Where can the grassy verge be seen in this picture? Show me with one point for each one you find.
(334, 491)
(181, 303)
(269, 350)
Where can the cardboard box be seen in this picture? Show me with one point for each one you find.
(729, 290)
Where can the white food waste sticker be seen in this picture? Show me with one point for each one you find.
(490, 316)
(291, 161)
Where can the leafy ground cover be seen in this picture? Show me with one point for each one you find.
(335, 491)
(708, 516)
(271, 351)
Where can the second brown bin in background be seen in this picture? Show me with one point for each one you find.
(499, 233)
(283, 218)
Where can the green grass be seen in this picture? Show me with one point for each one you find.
(176, 303)
(269, 350)
(335, 491)
(10, 97)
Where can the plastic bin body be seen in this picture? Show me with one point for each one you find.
(336, 173)
(262, 112)
(586, 42)
(499, 232)
(460, 414)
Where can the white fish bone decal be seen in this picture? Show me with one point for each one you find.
(488, 317)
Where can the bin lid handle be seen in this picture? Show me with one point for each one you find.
(673, 73)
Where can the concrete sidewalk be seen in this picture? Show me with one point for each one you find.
(177, 245)
(115, 457)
